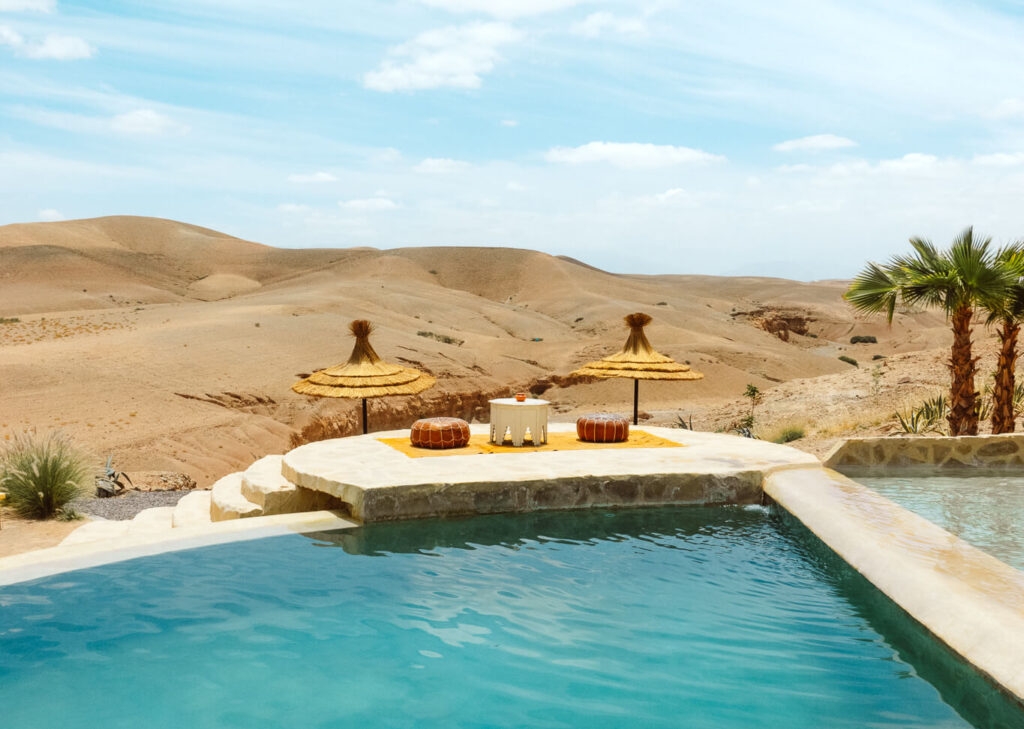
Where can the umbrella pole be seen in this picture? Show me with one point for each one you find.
(364, 417)
(636, 400)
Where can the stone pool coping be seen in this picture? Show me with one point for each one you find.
(966, 598)
(65, 558)
(965, 451)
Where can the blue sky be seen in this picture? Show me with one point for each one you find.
(791, 138)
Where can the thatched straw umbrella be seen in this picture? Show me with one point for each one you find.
(638, 361)
(365, 374)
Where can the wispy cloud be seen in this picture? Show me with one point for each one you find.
(52, 46)
(602, 23)
(456, 56)
(147, 123)
(814, 143)
(1000, 159)
(1007, 109)
(294, 208)
(509, 123)
(370, 205)
(502, 8)
(630, 154)
(306, 177)
(50, 215)
(440, 165)
(34, 6)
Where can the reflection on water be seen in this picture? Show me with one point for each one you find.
(984, 509)
(716, 618)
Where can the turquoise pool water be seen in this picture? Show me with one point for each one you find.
(697, 617)
(985, 509)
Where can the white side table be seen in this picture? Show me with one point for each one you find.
(509, 414)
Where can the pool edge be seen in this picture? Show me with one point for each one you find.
(969, 600)
(65, 558)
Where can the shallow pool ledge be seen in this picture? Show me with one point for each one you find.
(380, 483)
(968, 599)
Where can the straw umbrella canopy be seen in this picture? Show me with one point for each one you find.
(638, 361)
(365, 375)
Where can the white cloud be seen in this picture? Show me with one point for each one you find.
(596, 24)
(455, 57)
(36, 6)
(52, 47)
(509, 123)
(502, 8)
(312, 177)
(912, 163)
(794, 169)
(59, 48)
(10, 37)
(294, 208)
(440, 165)
(371, 204)
(675, 193)
(632, 155)
(388, 154)
(513, 186)
(814, 143)
(1007, 109)
(147, 123)
(50, 215)
(1000, 159)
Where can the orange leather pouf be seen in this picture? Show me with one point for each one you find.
(602, 428)
(440, 433)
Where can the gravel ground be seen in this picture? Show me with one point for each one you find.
(128, 505)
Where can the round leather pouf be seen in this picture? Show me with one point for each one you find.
(602, 428)
(440, 433)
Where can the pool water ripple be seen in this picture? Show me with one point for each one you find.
(694, 617)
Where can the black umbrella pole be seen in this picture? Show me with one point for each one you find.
(636, 401)
(365, 430)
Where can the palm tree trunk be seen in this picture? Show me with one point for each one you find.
(963, 398)
(1002, 393)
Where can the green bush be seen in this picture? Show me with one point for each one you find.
(789, 434)
(863, 339)
(43, 475)
(878, 356)
(9, 320)
(848, 360)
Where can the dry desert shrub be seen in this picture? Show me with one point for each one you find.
(43, 475)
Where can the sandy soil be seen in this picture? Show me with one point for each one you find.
(173, 347)
(19, 535)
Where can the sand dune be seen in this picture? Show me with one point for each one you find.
(173, 346)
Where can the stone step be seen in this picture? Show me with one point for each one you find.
(192, 510)
(227, 501)
(264, 485)
(158, 518)
(94, 530)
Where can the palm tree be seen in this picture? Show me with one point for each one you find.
(958, 281)
(1007, 313)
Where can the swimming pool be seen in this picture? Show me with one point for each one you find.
(699, 617)
(983, 508)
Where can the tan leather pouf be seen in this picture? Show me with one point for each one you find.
(440, 433)
(602, 428)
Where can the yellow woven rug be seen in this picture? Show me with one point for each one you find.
(556, 442)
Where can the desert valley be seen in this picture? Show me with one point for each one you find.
(172, 347)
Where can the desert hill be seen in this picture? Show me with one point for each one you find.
(173, 346)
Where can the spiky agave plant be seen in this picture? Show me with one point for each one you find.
(42, 475)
